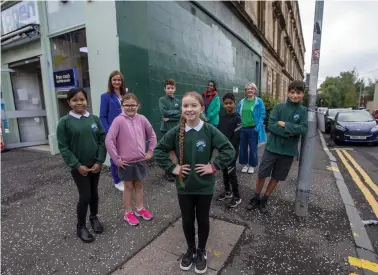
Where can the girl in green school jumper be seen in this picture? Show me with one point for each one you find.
(81, 141)
(193, 142)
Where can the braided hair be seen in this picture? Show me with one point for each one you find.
(199, 98)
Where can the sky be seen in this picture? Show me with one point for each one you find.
(349, 37)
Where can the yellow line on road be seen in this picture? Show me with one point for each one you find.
(363, 264)
(368, 195)
(362, 172)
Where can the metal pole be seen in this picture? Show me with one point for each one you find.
(359, 97)
(308, 141)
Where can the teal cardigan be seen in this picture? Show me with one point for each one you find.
(212, 112)
(258, 114)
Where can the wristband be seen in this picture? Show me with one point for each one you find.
(214, 169)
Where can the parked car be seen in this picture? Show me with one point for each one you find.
(330, 116)
(375, 114)
(354, 126)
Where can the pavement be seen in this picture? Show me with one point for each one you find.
(38, 226)
(358, 164)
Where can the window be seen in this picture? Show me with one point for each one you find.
(69, 51)
(274, 33)
(261, 15)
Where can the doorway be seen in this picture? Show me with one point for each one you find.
(29, 102)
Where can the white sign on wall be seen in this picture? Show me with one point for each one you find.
(19, 15)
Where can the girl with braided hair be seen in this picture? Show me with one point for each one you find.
(193, 142)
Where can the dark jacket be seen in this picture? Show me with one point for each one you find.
(230, 125)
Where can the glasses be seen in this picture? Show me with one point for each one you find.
(132, 106)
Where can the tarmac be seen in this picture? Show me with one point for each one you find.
(38, 225)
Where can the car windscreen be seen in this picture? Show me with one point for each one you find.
(333, 112)
(355, 117)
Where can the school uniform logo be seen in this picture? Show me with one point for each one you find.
(200, 145)
(296, 117)
(94, 127)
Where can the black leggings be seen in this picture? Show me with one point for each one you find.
(193, 206)
(88, 194)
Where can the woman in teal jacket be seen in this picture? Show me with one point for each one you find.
(252, 113)
(212, 104)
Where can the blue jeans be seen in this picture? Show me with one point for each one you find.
(114, 172)
(248, 138)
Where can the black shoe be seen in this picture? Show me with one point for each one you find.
(83, 233)
(201, 261)
(234, 202)
(187, 260)
(253, 203)
(170, 177)
(263, 205)
(224, 195)
(96, 225)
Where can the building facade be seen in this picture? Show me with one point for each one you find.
(277, 25)
(47, 47)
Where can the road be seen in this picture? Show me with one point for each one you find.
(359, 166)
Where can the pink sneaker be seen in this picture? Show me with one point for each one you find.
(144, 214)
(131, 219)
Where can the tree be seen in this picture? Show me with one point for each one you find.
(351, 98)
(341, 91)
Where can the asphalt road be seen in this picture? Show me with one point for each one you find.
(38, 223)
(359, 165)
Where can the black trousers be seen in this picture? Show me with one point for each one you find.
(193, 206)
(88, 195)
(230, 178)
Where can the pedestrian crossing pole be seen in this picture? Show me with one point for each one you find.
(307, 155)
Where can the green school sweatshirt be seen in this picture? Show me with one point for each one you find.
(81, 141)
(170, 107)
(198, 149)
(295, 117)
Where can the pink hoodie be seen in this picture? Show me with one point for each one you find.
(126, 138)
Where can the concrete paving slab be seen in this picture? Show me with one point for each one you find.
(359, 233)
(222, 239)
(344, 192)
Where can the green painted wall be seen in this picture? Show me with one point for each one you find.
(179, 40)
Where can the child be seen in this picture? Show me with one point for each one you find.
(193, 142)
(212, 104)
(81, 143)
(230, 125)
(170, 109)
(110, 108)
(287, 122)
(126, 146)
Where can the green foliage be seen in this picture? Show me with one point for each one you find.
(343, 91)
(269, 101)
(351, 98)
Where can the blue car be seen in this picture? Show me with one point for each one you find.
(356, 126)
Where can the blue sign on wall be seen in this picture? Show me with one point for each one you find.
(66, 78)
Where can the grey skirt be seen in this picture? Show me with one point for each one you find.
(134, 171)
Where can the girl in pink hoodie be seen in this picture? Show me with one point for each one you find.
(126, 145)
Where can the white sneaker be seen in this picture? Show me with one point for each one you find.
(245, 169)
(119, 186)
(251, 170)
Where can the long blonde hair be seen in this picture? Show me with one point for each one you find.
(199, 98)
